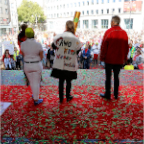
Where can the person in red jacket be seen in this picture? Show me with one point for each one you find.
(114, 51)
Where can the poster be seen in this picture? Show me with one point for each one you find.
(8, 45)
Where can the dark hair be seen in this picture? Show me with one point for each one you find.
(23, 27)
(70, 26)
(116, 19)
(5, 51)
(128, 61)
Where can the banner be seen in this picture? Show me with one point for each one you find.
(133, 6)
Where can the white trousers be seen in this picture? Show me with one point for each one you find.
(34, 72)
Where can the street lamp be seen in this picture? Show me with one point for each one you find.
(36, 18)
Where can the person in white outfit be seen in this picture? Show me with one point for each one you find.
(33, 54)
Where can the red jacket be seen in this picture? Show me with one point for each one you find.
(114, 48)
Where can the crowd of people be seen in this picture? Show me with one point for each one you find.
(89, 54)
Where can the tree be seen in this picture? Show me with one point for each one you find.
(30, 11)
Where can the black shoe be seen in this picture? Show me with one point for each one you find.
(61, 101)
(70, 98)
(116, 97)
(103, 96)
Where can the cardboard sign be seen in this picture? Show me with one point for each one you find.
(8, 45)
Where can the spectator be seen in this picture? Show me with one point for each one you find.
(138, 59)
(86, 56)
(129, 66)
(4, 56)
(50, 56)
(17, 58)
(7, 62)
(13, 65)
(132, 52)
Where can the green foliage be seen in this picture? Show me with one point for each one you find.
(28, 11)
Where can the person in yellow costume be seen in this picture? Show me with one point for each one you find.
(129, 66)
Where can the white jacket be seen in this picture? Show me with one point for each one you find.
(66, 54)
(7, 62)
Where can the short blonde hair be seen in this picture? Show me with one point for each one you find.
(70, 26)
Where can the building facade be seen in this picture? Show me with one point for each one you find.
(8, 17)
(95, 14)
(5, 26)
(14, 16)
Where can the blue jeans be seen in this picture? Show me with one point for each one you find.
(86, 63)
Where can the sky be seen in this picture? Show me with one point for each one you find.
(20, 1)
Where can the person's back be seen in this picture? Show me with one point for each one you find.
(117, 41)
(31, 50)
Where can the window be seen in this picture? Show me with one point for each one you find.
(57, 7)
(107, 11)
(87, 12)
(119, 0)
(6, 11)
(113, 0)
(83, 3)
(71, 5)
(102, 11)
(97, 1)
(67, 13)
(85, 24)
(87, 2)
(57, 15)
(71, 13)
(113, 10)
(92, 2)
(92, 12)
(128, 23)
(108, 1)
(64, 14)
(54, 15)
(6, 2)
(0, 10)
(102, 1)
(79, 4)
(67, 5)
(96, 11)
(75, 5)
(83, 12)
(119, 10)
(104, 23)
(94, 23)
(63, 6)
(0, 2)
(78, 24)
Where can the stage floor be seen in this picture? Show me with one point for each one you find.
(85, 77)
(87, 117)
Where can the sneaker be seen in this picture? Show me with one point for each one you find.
(38, 102)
